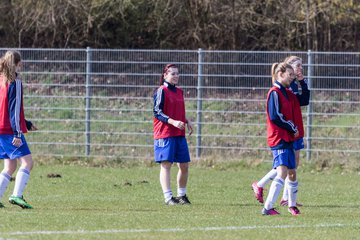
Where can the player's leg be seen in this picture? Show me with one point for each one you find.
(182, 157)
(258, 187)
(274, 191)
(165, 174)
(182, 179)
(285, 197)
(5, 176)
(21, 180)
(281, 163)
(164, 155)
(298, 145)
(292, 185)
(292, 175)
(23, 175)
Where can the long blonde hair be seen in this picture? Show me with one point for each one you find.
(292, 59)
(279, 67)
(8, 65)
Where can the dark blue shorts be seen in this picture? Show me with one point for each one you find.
(298, 144)
(172, 149)
(284, 157)
(9, 151)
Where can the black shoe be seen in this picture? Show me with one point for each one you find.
(183, 200)
(172, 201)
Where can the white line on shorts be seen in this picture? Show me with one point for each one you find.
(232, 228)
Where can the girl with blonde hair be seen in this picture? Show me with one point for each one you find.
(13, 125)
(303, 97)
(281, 133)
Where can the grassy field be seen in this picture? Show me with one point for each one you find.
(127, 203)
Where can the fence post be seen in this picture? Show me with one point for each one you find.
(88, 101)
(309, 109)
(199, 103)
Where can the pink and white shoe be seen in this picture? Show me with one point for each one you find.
(294, 211)
(271, 211)
(284, 202)
(258, 192)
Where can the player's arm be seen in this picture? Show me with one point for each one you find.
(14, 98)
(189, 126)
(304, 97)
(159, 97)
(276, 116)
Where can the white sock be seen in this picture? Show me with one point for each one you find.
(269, 176)
(4, 182)
(181, 192)
(286, 189)
(22, 178)
(292, 189)
(168, 195)
(274, 192)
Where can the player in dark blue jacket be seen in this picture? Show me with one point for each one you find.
(13, 125)
(303, 97)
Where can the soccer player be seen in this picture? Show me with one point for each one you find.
(169, 135)
(303, 98)
(13, 125)
(281, 133)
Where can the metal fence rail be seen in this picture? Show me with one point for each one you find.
(98, 102)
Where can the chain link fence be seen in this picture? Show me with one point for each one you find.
(98, 102)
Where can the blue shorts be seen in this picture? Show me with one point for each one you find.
(172, 149)
(298, 144)
(284, 157)
(9, 151)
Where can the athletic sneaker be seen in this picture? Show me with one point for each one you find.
(271, 211)
(1, 205)
(20, 201)
(183, 200)
(258, 192)
(172, 201)
(284, 202)
(294, 211)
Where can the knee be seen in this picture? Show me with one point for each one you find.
(166, 165)
(27, 162)
(10, 167)
(9, 170)
(184, 167)
(292, 176)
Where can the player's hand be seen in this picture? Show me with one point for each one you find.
(17, 142)
(296, 134)
(33, 128)
(178, 124)
(190, 127)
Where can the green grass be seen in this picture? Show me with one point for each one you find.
(89, 202)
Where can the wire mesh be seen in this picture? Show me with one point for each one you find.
(121, 82)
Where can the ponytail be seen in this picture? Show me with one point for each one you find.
(8, 65)
(279, 67)
(273, 74)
